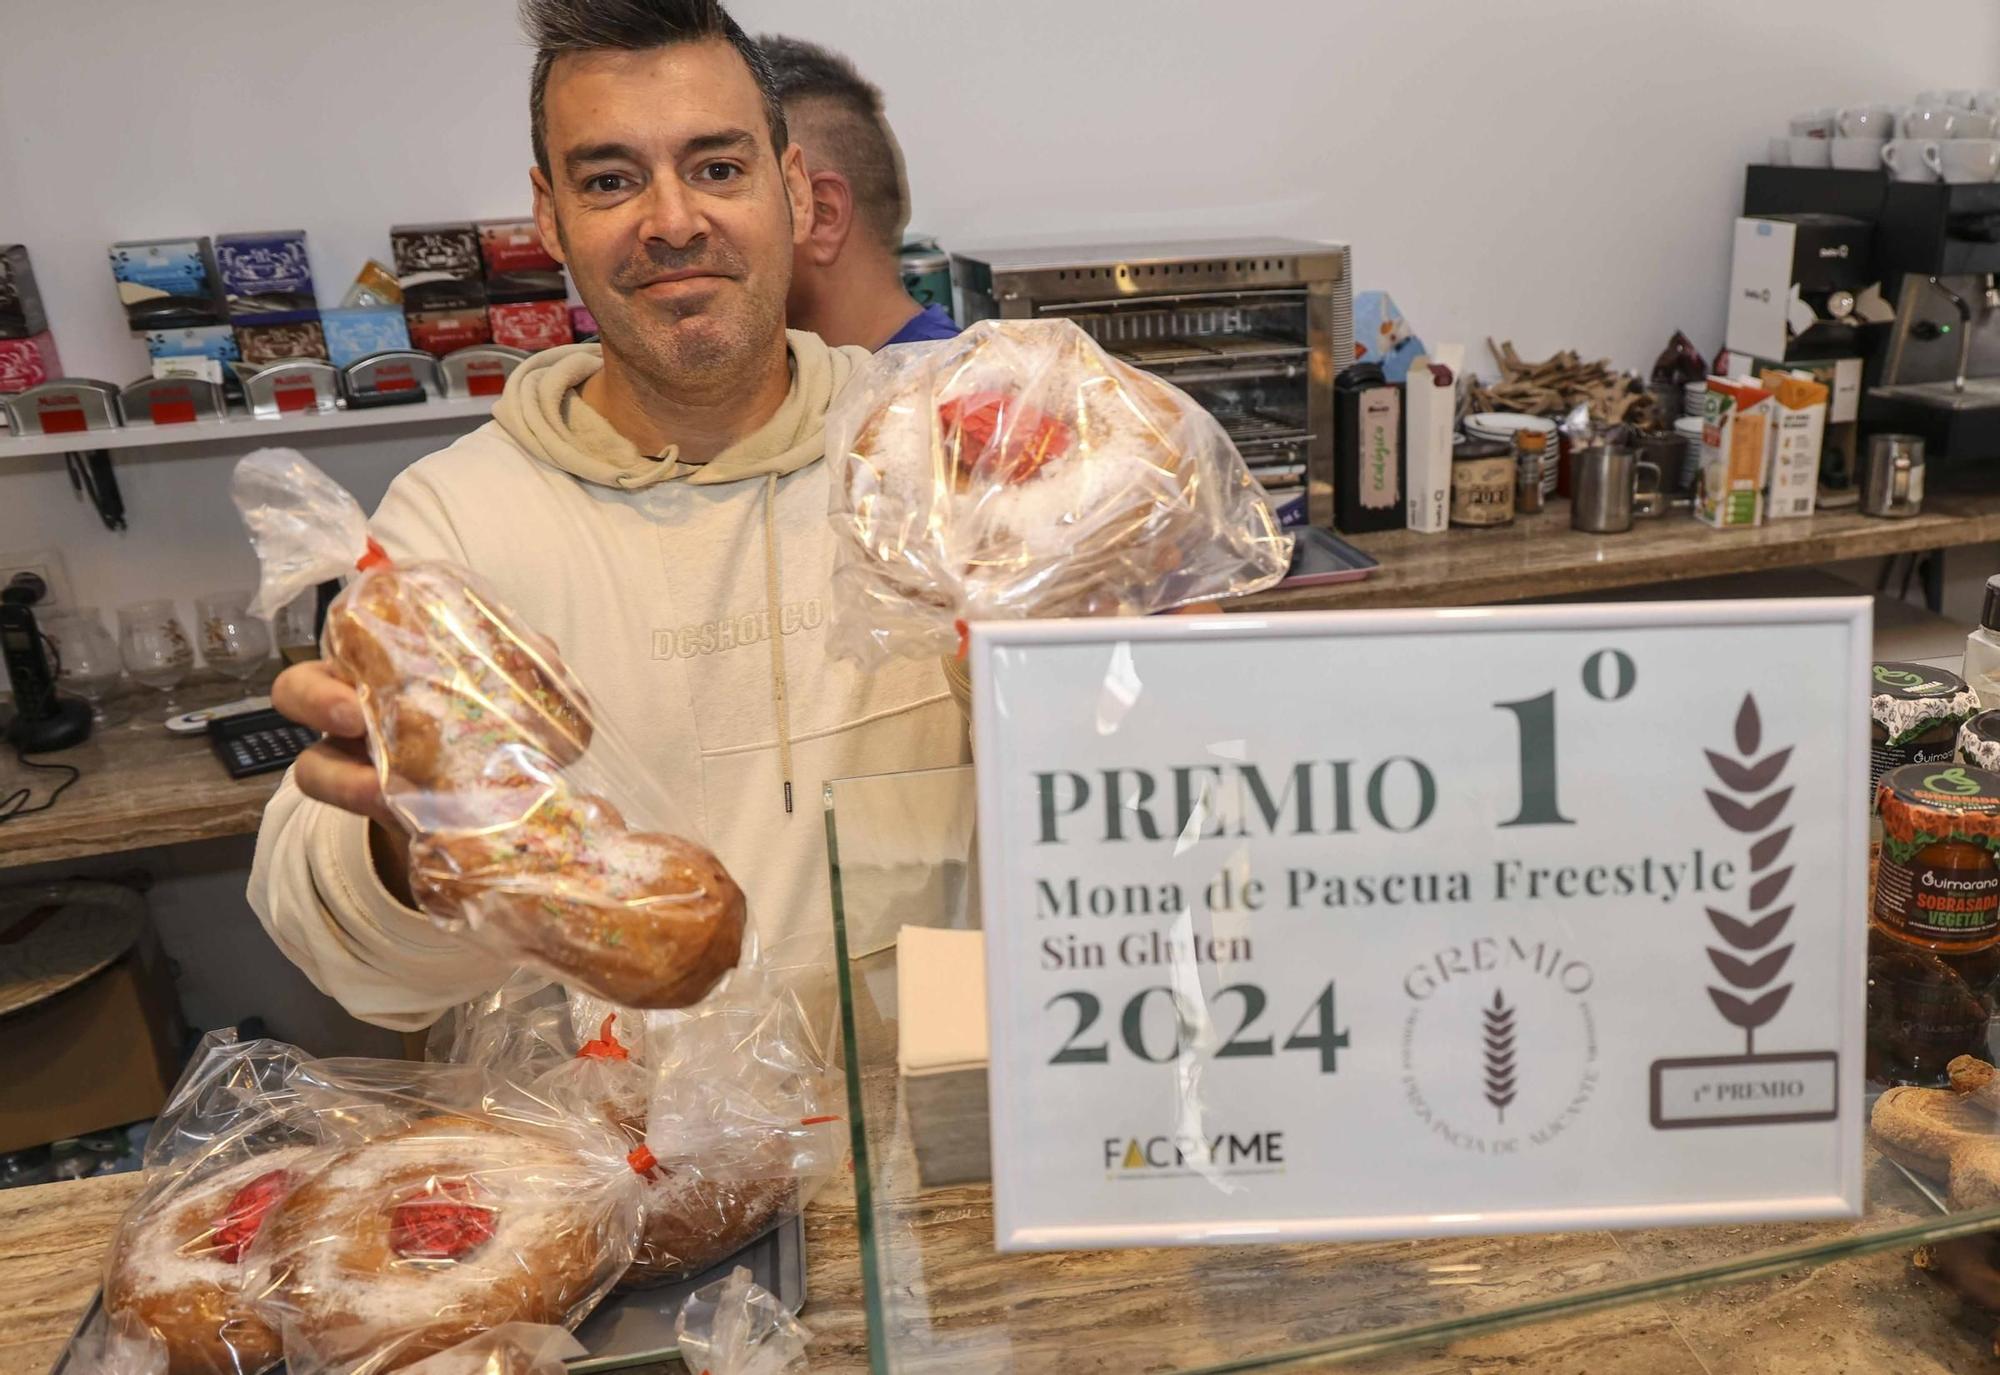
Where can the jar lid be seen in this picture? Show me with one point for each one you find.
(1989, 612)
(1470, 447)
(1979, 740)
(1922, 804)
(1907, 699)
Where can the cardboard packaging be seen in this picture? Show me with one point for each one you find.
(29, 362)
(21, 312)
(266, 276)
(440, 332)
(167, 283)
(942, 1053)
(200, 341)
(97, 1055)
(441, 291)
(1433, 406)
(264, 343)
(1736, 436)
(512, 246)
(531, 326)
(1798, 432)
(353, 334)
(451, 248)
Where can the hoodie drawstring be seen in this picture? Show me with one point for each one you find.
(778, 698)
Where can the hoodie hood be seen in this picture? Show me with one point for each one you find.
(541, 411)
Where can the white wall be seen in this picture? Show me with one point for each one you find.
(1561, 173)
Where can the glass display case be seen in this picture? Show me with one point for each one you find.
(940, 1297)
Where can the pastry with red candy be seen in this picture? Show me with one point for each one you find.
(1019, 470)
(176, 1269)
(425, 1236)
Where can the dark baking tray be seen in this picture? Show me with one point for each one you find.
(627, 1329)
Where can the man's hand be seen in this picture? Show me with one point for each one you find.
(335, 771)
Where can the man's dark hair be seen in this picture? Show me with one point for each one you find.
(556, 27)
(822, 88)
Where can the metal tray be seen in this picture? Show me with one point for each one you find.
(627, 1329)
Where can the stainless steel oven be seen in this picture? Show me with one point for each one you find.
(1253, 329)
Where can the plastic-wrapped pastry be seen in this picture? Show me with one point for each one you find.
(1019, 471)
(531, 828)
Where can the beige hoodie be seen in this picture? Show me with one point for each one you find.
(692, 600)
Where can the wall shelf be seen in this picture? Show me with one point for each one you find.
(464, 412)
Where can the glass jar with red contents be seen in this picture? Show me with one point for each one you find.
(1934, 921)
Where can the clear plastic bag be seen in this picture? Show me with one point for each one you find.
(737, 1327)
(531, 828)
(515, 1348)
(223, 1156)
(732, 1110)
(1020, 471)
(455, 1202)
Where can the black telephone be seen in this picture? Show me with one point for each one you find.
(43, 718)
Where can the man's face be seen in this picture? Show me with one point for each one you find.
(670, 208)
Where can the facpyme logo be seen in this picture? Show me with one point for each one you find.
(1168, 1156)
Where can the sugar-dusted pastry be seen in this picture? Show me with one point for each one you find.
(1018, 471)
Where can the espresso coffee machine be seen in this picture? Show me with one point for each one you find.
(43, 719)
(1935, 370)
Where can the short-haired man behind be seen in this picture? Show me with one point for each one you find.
(655, 504)
(847, 282)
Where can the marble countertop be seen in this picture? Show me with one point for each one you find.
(1540, 556)
(140, 786)
(1872, 1313)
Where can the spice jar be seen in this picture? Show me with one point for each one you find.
(1979, 741)
(1530, 464)
(1482, 482)
(1915, 712)
(1934, 920)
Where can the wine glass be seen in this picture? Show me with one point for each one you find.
(233, 642)
(87, 662)
(156, 648)
(292, 628)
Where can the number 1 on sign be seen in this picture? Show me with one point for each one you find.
(1535, 726)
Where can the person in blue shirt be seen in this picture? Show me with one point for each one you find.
(847, 282)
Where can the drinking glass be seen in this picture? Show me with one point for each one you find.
(156, 647)
(233, 642)
(87, 662)
(292, 627)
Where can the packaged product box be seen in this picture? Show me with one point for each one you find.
(196, 341)
(356, 332)
(166, 283)
(531, 325)
(266, 276)
(1736, 435)
(21, 312)
(517, 267)
(263, 344)
(446, 331)
(451, 248)
(1798, 430)
(1432, 406)
(441, 291)
(29, 362)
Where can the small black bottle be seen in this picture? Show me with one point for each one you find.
(1370, 468)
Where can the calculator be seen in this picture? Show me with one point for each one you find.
(258, 742)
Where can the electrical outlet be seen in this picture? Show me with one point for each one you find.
(45, 563)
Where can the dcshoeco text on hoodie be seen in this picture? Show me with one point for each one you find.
(750, 628)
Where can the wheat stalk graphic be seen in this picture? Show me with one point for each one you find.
(1745, 776)
(1499, 1042)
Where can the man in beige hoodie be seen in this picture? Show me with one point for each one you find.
(655, 504)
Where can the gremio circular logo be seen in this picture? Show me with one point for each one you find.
(1499, 1044)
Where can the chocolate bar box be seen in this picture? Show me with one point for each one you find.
(21, 313)
(267, 275)
(166, 283)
